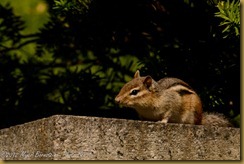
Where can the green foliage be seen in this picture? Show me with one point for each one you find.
(10, 29)
(73, 6)
(230, 14)
(86, 51)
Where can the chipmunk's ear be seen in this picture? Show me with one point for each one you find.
(137, 74)
(148, 82)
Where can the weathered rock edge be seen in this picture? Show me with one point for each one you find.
(66, 137)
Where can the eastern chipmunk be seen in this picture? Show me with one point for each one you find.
(169, 100)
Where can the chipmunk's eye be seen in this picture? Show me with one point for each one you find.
(134, 92)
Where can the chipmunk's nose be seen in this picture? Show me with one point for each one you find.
(117, 99)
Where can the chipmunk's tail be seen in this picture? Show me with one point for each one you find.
(215, 119)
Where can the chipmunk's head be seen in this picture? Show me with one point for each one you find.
(136, 92)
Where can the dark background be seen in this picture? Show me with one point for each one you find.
(87, 50)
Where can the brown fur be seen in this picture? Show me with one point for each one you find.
(215, 119)
(169, 100)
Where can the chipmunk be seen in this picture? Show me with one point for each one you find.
(169, 100)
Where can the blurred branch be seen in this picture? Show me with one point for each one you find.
(16, 47)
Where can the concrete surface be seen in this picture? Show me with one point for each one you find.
(68, 137)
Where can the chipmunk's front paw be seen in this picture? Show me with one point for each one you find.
(165, 120)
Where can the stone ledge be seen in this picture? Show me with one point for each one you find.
(65, 137)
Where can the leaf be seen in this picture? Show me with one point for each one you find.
(237, 31)
(226, 29)
(224, 17)
(224, 23)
